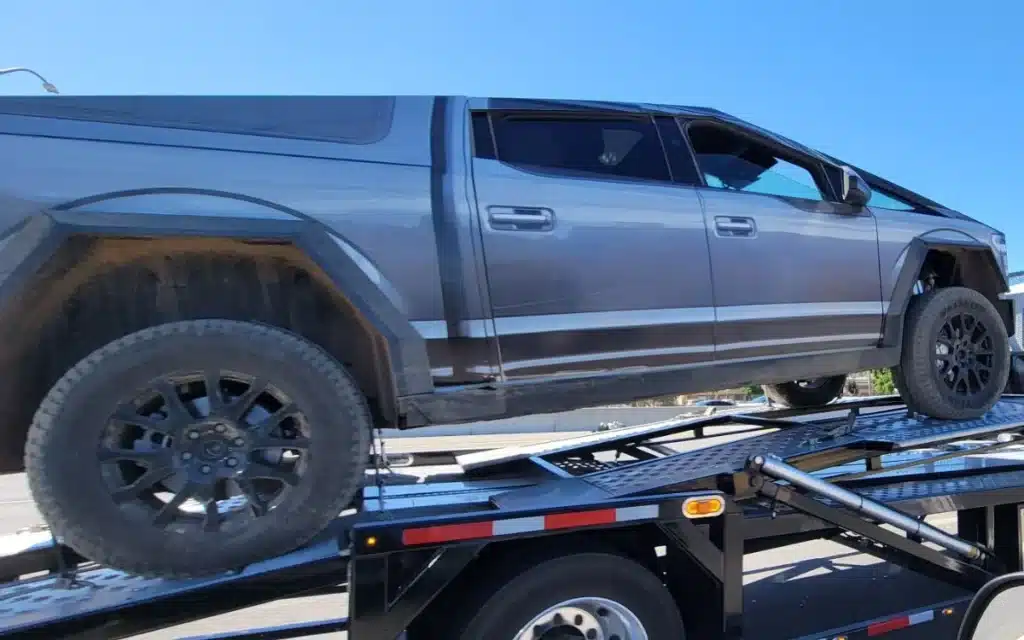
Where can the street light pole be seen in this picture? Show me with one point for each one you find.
(46, 84)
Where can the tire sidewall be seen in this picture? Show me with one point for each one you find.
(594, 575)
(86, 404)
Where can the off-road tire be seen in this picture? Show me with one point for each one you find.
(69, 490)
(919, 381)
(792, 394)
(502, 601)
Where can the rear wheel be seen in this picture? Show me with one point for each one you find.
(584, 595)
(801, 394)
(196, 447)
(956, 355)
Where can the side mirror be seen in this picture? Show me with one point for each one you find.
(855, 191)
(995, 613)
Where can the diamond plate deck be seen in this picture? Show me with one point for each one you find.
(941, 487)
(28, 603)
(887, 430)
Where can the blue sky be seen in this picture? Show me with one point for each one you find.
(929, 93)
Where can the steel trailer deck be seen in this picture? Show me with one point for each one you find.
(862, 473)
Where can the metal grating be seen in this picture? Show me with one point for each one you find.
(892, 430)
(919, 489)
(579, 467)
(36, 601)
(904, 432)
(728, 457)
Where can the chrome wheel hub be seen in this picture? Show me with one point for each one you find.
(589, 618)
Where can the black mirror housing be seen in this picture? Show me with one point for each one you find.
(854, 189)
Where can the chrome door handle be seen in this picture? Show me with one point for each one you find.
(734, 227)
(521, 218)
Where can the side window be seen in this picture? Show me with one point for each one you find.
(881, 200)
(730, 161)
(586, 146)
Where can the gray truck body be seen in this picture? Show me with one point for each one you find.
(495, 288)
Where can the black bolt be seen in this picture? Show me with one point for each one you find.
(591, 634)
(578, 619)
(558, 619)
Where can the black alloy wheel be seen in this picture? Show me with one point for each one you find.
(210, 451)
(965, 354)
(197, 447)
(955, 357)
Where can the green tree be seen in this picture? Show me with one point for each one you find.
(753, 390)
(881, 381)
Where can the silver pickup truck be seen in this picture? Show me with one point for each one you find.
(209, 303)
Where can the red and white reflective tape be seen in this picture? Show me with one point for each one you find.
(510, 526)
(902, 622)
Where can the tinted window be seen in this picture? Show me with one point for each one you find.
(612, 147)
(886, 201)
(736, 163)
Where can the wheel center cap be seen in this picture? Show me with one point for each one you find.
(214, 448)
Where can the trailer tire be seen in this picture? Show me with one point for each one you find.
(590, 588)
(96, 443)
(955, 357)
(803, 394)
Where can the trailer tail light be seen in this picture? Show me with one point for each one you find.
(703, 507)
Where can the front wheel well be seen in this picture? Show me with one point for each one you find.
(972, 268)
(95, 290)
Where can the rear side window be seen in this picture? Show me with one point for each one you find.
(586, 146)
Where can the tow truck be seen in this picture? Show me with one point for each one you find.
(615, 534)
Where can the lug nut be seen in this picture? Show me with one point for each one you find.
(231, 462)
(205, 468)
(239, 442)
(220, 428)
(193, 435)
(186, 456)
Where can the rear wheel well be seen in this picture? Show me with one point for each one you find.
(95, 290)
(508, 558)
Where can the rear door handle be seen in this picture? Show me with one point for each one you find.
(521, 218)
(731, 227)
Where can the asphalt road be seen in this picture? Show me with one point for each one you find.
(789, 592)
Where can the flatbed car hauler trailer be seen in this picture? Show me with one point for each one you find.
(612, 535)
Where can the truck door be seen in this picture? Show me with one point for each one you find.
(595, 257)
(794, 271)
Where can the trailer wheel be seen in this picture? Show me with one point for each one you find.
(585, 595)
(956, 355)
(192, 448)
(801, 394)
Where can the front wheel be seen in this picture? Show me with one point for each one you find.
(956, 354)
(584, 595)
(196, 447)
